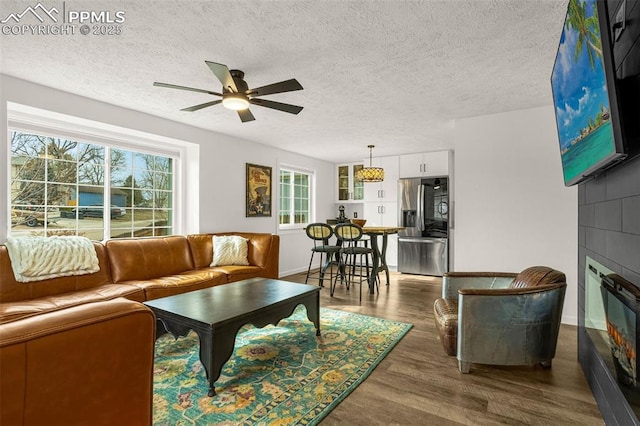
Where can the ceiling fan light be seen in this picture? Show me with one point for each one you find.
(370, 174)
(235, 101)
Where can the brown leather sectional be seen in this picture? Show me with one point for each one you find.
(73, 347)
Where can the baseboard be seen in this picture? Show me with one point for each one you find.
(291, 272)
(570, 320)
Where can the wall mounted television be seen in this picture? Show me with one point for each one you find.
(585, 94)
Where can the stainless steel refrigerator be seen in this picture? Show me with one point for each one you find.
(423, 210)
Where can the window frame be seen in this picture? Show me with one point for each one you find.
(311, 196)
(185, 156)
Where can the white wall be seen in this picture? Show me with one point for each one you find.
(512, 209)
(222, 165)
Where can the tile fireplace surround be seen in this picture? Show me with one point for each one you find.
(609, 233)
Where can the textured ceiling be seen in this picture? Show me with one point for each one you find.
(390, 73)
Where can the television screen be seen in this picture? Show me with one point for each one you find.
(585, 104)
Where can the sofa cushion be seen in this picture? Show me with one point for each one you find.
(12, 311)
(537, 275)
(229, 250)
(238, 273)
(148, 258)
(180, 283)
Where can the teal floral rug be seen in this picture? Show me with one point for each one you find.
(277, 375)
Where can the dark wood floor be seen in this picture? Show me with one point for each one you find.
(418, 384)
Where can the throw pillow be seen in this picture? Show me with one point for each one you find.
(229, 250)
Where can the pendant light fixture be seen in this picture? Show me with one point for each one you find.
(370, 174)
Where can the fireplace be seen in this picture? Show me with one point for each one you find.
(612, 321)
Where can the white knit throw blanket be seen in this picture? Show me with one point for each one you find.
(41, 258)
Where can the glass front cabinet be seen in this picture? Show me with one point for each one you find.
(349, 189)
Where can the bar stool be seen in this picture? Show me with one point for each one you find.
(352, 256)
(320, 234)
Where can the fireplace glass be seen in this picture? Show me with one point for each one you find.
(612, 321)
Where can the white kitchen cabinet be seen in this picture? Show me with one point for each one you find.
(387, 190)
(424, 164)
(384, 213)
(348, 188)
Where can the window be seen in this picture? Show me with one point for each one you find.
(295, 198)
(61, 186)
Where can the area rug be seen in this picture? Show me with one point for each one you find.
(277, 375)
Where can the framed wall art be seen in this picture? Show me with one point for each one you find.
(258, 191)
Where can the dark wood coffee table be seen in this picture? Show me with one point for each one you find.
(217, 313)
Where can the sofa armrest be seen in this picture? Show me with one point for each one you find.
(452, 282)
(88, 364)
(267, 256)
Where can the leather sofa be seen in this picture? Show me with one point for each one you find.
(62, 324)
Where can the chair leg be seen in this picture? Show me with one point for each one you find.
(348, 270)
(339, 273)
(352, 277)
(376, 280)
(320, 272)
(329, 267)
(464, 367)
(309, 268)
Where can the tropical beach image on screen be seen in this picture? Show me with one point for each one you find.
(580, 93)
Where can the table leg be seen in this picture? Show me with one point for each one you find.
(379, 260)
(376, 261)
(313, 311)
(216, 347)
(383, 257)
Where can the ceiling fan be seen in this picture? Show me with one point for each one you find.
(236, 94)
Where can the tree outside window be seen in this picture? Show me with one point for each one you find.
(58, 188)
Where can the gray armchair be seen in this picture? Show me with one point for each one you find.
(501, 318)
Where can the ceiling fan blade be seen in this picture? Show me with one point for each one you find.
(192, 89)
(269, 89)
(292, 109)
(222, 72)
(245, 115)
(204, 105)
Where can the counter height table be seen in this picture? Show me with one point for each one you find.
(379, 253)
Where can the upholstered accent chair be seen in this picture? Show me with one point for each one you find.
(501, 318)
